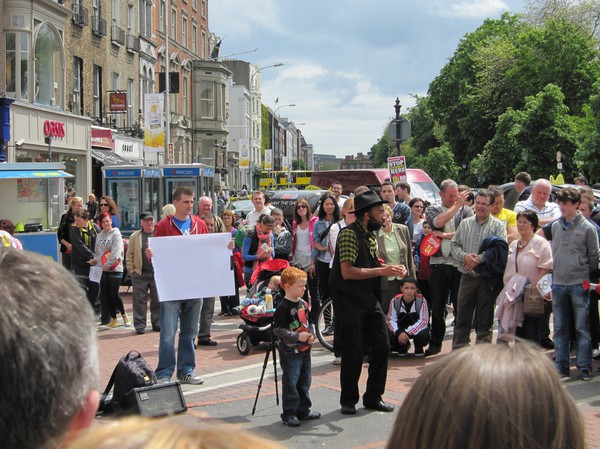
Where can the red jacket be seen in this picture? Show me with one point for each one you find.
(166, 227)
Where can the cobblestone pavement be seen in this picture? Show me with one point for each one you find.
(231, 380)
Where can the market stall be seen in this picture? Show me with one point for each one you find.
(32, 196)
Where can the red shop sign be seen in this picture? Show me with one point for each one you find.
(54, 129)
(117, 101)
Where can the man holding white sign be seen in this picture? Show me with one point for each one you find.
(182, 222)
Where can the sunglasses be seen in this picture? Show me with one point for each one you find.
(103, 204)
(301, 207)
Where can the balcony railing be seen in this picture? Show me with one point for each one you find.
(80, 15)
(117, 35)
(98, 25)
(133, 43)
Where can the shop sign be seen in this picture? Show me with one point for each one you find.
(54, 129)
(117, 101)
(128, 149)
(101, 137)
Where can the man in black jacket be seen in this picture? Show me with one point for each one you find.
(355, 275)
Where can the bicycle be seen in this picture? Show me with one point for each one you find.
(324, 325)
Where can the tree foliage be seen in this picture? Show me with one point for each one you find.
(515, 91)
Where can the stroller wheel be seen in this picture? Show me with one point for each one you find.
(244, 343)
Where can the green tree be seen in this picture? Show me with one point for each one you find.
(299, 164)
(543, 129)
(439, 164)
(587, 154)
(381, 150)
(265, 129)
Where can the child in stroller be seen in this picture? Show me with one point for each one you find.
(257, 321)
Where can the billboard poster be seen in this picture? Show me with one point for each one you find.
(397, 168)
(154, 128)
(268, 159)
(244, 149)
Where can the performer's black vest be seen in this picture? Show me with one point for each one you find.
(365, 291)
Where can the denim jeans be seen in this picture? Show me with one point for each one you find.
(188, 313)
(571, 301)
(295, 382)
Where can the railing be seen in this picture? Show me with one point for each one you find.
(133, 43)
(80, 16)
(98, 25)
(117, 35)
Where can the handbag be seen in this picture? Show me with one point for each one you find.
(533, 302)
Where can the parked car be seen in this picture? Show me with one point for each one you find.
(240, 206)
(509, 187)
(421, 185)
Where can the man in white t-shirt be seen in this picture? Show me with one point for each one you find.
(337, 189)
(258, 199)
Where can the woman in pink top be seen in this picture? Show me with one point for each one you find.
(302, 245)
(530, 256)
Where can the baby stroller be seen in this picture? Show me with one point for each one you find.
(257, 326)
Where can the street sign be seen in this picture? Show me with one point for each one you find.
(405, 130)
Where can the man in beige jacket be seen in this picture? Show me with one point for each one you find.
(142, 276)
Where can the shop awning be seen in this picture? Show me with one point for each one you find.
(33, 174)
(107, 157)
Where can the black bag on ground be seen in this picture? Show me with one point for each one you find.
(131, 372)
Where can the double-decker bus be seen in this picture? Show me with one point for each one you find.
(293, 179)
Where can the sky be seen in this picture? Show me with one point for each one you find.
(346, 61)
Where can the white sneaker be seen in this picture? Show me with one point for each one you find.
(337, 361)
(163, 380)
(191, 378)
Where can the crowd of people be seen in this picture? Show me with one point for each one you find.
(393, 266)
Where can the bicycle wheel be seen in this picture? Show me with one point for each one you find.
(324, 325)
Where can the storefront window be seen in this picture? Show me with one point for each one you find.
(49, 67)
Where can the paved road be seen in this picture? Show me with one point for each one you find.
(231, 380)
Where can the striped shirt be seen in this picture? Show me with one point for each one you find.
(550, 210)
(470, 234)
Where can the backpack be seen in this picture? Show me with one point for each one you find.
(132, 371)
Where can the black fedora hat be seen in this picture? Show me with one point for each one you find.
(366, 200)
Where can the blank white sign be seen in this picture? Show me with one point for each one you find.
(192, 266)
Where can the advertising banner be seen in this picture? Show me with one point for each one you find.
(268, 160)
(154, 128)
(244, 149)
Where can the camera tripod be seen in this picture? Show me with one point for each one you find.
(271, 348)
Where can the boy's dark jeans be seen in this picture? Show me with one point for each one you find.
(295, 382)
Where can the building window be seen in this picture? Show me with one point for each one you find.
(195, 5)
(130, 18)
(77, 98)
(115, 12)
(203, 45)
(161, 12)
(184, 94)
(49, 69)
(207, 99)
(130, 102)
(117, 118)
(203, 9)
(17, 65)
(97, 92)
(184, 29)
(174, 24)
(194, 39)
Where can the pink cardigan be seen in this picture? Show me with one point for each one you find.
(311, 226)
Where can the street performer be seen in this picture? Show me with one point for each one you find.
(355, 275)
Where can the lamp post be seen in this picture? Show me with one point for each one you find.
(283, 106)
(256, 92)
(397, 108)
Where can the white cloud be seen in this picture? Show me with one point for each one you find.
(470, 9)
